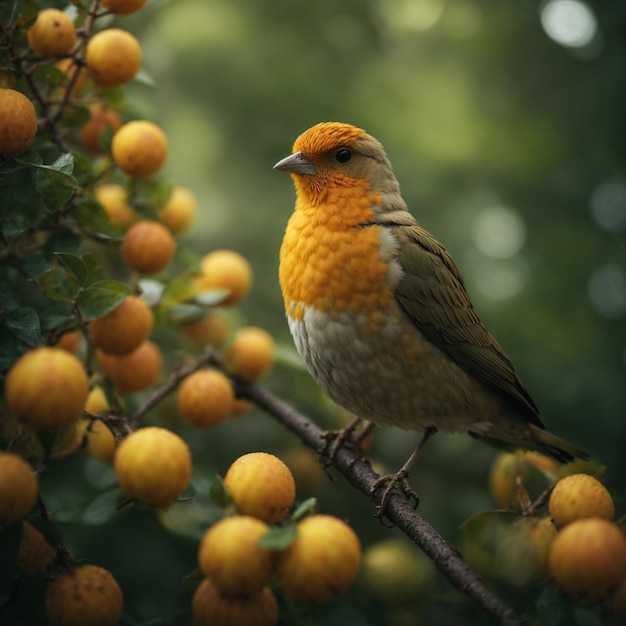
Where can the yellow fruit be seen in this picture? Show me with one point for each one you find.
(114, 200)
(211, 608)
(205, 398)
(578, 496)
(153, 465)
(69, 341)
(18, 122)
(123, 7)
(67, 440)
(261, 485)
(100, 441)
(34, 553)
(113, 57)
(88, 596)
(180, 210)
(588, 559)
(322, 561)
(210, 330)
(139, 148)
(47, 388)
(307, 472)
(123, 329)
(53, 33)
(148, 247)
(133, 372)
(397, 571)
(100, 119)
(231, 559)
(226, 269)
(70, 69)
(18, 488)
(241, 407)
(251, 353)
(97, 403)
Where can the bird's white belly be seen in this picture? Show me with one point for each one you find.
(390, 373)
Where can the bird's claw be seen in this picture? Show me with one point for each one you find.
(399, 480)
(333, 440)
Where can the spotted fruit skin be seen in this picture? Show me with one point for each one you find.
(580, 496)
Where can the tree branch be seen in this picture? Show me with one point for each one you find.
(360, 474)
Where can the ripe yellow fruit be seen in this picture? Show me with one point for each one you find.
(148, 247)
(67, 440)
(99, 440)
(113, 57)
(241, 407)
(100, 118)
(210, 330)
(34, 552)
(133, 372)
(18, 122)
(261, 485)
(69, 341)
(97, 403)
(124, 328)
(251, 353)
(211, 608)
(205, 398)
(88, 596)
(18, 488)
(153, 465)
(53, 33)
(123, 7)
(322, 561)
(47, 388)
(139, 148)
(588, 559)
(231, 559)
(180, 210)
(578, 496)
(114, 200)
(69, 68)
(226, 269)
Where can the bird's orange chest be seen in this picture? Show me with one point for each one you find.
(329, 261)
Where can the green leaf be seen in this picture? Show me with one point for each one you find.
(102, 508)
(143, 78)
(94, 218)
(219, 494)
(74, 265)
(82, 164)
(101, 297)
(91, 264)
(212, 297)
(24, 324)
(279, 537)
(61, 241)
(33, 265)
(58, 285)
(306, 508)
(50, 74)
(55, 187)
(64, 164)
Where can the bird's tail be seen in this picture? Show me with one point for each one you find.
(554, 446)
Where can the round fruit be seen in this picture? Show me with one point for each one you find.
(588, 559)
(100, 119)
(241, 407)
(97, 403)
(578, 496)
(123, 7)
(133, 372)
(397, 572)
(34, 553)
(307, 472)
(100, 441)
(226, 269)
(261, 485)
(113, 57)
(251, 353)
(210, 330)
(139, 148)
(76, 74)
(148, 247)
(180, 210)
(205, 398)
(53, 33)
(69, 341)
(18, 488)
(47, 388)
(211, 608)
(88, 596)
(18, 122)
(153, 465)
(230, 557)
(67, 440)
(123, 329)
(322, 561)
(114, 200)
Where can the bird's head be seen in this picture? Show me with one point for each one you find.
(335, 157)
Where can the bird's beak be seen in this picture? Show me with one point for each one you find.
(296, 163)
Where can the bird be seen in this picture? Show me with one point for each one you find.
(379, 311)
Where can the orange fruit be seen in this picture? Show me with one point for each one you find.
(113, 57)
(100, 118)
(123, 7)
(18, 488)
(18, 122)
(251, 353)
(34, 553)
(148, 247)
(124, 328)
(139, 148)
(47, 388)
(69, 341)
(114, 200)
(133, 372)
(261, 485)
(210, 330)
(100, 441)
(578, 496)
(226, 269)
(70, 69)
(180, 210)
(205, 398)
(153, 465)
(53, 33)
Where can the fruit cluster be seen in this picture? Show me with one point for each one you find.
(314, 557)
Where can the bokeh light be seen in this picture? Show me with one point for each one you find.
(607, 290)
(608, 205)
(499, 232)
(570, 23)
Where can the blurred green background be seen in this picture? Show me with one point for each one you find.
(506, 125)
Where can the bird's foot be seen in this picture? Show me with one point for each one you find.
(333, 440)
(397, 480)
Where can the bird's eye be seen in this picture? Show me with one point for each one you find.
(343, 155)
